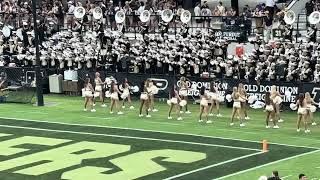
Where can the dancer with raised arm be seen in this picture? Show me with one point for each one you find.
(214, 99)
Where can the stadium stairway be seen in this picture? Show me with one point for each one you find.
(298, 7)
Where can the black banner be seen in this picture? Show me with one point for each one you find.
(229, 35)
(278, 33)
(225, 86)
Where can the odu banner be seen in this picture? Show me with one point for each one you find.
(164, 83)
(229, 35)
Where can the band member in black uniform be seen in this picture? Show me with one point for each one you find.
(144, 29)
(312, 33)
(164, 28)
(288, 32)
(184, 30)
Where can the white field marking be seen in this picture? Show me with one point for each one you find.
(167, 123)
(145, 130)
(31, 112)
(285, 177)
(316, 140)
(274, 162)
(211, 166)
(91, 117)
(130, 137)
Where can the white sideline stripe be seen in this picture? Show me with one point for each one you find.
(31, 112)
(274, 162)
(155, 122)
(130, 137)
(145, 130)
(211, 166)
(91, 117)
(286, 176)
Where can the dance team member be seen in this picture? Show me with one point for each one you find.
(311, 108)
(183, 92)
(204, 105)
(174, 99)
(302, 111)
(269, 108)
(214, 99)
(88, 94)
(98, 90)
(144, 98)
(277, 100)
(243, 100)
(126, 94)
(151, 94)
(114, 91)
(237, 107)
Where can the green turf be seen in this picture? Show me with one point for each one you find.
(69, 110)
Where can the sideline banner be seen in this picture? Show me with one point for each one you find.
(225, 86)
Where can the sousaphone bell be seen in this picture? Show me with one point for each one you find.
(289, 17)
(145, 16)
(314, 17)
(79, 12)
(185, 16)
(97, 13)
(167, 15)
(120, 17)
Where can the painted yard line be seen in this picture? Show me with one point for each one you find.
(145, 130)
(91, 117)
(274, 162)
(211, 166)
(286, 176)
(155, 122)
(31, 112)
(316, 140)
(130, 137)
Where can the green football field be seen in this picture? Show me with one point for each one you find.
(60, 141)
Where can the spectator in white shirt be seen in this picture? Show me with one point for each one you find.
(70, 14)
(141, 8)
(197, 13)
